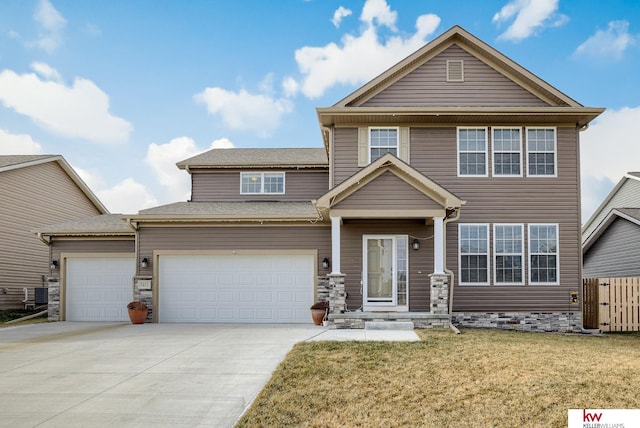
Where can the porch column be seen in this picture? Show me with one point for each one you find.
(438, 245)
(335, 245)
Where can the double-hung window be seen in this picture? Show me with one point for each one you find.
(382, 141)
(255, 183)
(472, 152)
(543, 254)
(508, 251)
(473, 242)
(507, 152)
(541, 152)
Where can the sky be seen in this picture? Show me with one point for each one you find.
(125, 89)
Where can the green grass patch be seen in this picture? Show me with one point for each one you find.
(477, 379)
(13, 314)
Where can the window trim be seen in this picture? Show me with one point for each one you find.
(262, 173)
(486, 151)
(495, 255)
(371, 128)
(494, 151)
(555, 152)
(488, 255)
(557, 253)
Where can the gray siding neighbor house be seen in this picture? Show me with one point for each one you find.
(428, 201)
(35, 190)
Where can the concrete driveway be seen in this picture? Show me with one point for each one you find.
(162, 375)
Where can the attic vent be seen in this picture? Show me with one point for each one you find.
(455, 70)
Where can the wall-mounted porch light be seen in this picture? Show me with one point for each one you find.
(54, 264)
(144, 263)
(325, 263)
(415, 244)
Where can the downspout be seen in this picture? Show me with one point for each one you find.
(449, 272)
(45, 241)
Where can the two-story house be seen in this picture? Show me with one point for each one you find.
(446, 191)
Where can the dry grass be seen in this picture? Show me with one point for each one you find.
(478, 379)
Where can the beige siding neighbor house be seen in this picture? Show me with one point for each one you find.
(35, 190)
(446, 192)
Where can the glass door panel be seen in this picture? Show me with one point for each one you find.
(380, 270)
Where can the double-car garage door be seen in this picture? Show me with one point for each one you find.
(230, 288)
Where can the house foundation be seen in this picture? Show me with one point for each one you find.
(562, 322)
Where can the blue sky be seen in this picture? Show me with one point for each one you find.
(124, 89)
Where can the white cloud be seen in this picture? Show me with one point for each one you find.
(222, 143)
(79, 111)
(162, 159)
(258, 113)
(290, 87)
(127, 196)
(339, 15)
(51, 23)
(18, 144)
(609, 43)
(528, 16)
(360, 57)
(46, 71)
(609, 149)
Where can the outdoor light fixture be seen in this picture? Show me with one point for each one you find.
(54, 264)
(325, 263)
(415, 244)
(144, 262)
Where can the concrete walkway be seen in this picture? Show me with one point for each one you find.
(162, 375)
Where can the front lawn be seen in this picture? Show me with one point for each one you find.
(477, 379)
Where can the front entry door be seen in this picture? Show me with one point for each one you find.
(385, 267)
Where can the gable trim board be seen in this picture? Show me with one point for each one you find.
(605, 223)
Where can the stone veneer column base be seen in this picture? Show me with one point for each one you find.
(563, 322)
(143, 291)
(337, 295)
(54, 299)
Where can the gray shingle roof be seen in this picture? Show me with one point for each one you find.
(246, 210)
(106, 224)
(227, 158)
(12, 160)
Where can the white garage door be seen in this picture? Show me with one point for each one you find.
(98, 289)
(236, 288)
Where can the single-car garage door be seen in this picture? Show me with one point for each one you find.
(98, 289)
(236, 288)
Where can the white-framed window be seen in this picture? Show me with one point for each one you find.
(541, 152)
(507, 152)
(544, 266)
(382, 141)
(508, 254)
(255, 183)
(473, 252)
(472, 152)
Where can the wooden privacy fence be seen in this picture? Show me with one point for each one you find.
(611, 304)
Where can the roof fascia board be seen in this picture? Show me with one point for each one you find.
(604, 225)
(30, 163)
(606, 200)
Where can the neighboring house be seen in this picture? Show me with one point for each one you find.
(610, 237)
(35, 190)
(446, 190)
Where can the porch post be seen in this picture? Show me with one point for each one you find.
(335, 245)
(438, 245)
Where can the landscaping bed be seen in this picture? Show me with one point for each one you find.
(13, 314)
(478, 378)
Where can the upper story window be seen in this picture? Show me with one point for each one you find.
(382, 141)
(507, 152)
(253, 183)
(472, 152)
(541, 152)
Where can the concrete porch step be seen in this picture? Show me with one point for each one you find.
(388, 325)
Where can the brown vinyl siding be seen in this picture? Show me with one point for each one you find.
(32, 197)
(420, 261)
(91, 246)
(627, 196)
(616, 253)
(387, 191)
(427, 86)
(345, 154)
(265, 237)
(225, 186)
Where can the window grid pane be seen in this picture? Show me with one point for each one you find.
(508, 253)
(543, 251)
(506, 151)
(274, 182)
(474, 254)
(251, 183)
(262, 182)
(472, 148)
(541, 148)
(382, 141)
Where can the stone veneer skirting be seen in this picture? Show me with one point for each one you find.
(143, 291)
(54, 299)
(525, 321)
